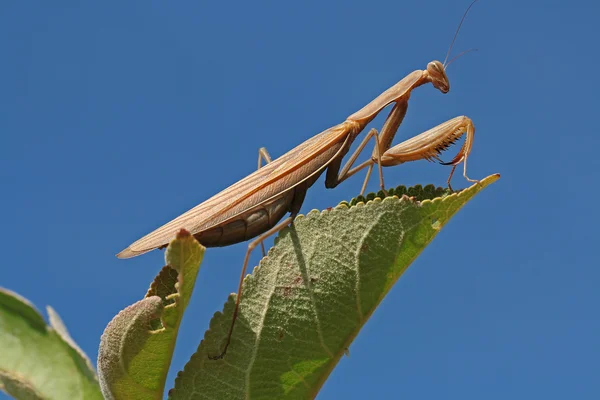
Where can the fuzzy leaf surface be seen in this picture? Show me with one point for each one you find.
(308, 299)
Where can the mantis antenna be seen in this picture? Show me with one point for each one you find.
(456, 34)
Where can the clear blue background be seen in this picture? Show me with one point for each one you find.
(117, 116)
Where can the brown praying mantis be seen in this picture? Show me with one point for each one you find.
(252, 207)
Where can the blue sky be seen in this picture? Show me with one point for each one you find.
(117, 116)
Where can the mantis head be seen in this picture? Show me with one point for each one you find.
(437, 70)
(438, 77)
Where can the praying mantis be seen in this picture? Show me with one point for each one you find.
(253, 207)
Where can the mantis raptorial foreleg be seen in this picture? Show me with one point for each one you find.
(430, 144)
(437, 76)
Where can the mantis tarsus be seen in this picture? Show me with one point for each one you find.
(252, 207)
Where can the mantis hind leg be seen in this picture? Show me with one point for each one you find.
(251, 246)
(263, 155)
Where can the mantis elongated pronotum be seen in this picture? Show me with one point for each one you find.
(252, 207)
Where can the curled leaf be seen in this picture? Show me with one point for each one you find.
(137, 345)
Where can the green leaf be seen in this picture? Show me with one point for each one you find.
(137, 345)
(306, 302)
(39, 361)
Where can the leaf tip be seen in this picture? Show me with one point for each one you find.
(183, 234)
